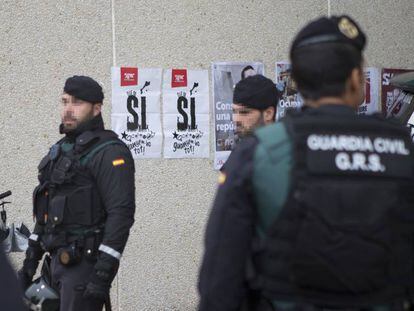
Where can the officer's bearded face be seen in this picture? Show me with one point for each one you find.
(75, 111)
(246, 119)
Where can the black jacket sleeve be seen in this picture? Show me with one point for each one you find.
(113, 170)
(11, 296)
(229, 232)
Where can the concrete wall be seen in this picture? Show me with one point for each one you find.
(44, 42)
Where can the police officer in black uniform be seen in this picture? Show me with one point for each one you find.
(315, 212)
(84, 204)
(254, 104)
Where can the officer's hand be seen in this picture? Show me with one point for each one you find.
(100, 281)
(98, 286)
(33, 255)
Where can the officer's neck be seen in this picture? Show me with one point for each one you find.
(96, 123)
(328, 101)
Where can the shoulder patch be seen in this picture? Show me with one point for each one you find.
(221, 178)
(118, 162)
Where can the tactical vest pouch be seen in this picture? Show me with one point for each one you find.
(345, 240)
(79, 207)
(60, 171)
(41, 168)
(43, 163)
(57, 209)
(40, 201)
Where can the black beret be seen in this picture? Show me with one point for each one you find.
(257, 92)
(84, 88)
(341, 29)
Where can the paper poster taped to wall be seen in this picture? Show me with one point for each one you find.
(290, 98)
(392, 98)
(186, 113)
(225, 77)
(371, 103)
(136, 109)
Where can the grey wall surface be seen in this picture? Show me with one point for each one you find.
(44, 42)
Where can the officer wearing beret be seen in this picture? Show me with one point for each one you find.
(84, 204)
(315, 212)
(254, 104)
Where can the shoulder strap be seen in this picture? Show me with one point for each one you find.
(91, 143)
(84, 159)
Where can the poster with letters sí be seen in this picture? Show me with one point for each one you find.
(371, 103)
(186, 113)
(392, 98)
(289, 96)
(225, 76)
(136, 109)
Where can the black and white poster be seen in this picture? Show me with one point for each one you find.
(136, 109)
(289, 96)
(186, 113)
(225, 77)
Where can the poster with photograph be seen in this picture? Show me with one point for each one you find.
(371, 103)
(136, 109)
(392, 98)
(290, 98)
(225, 76)
(186, 112)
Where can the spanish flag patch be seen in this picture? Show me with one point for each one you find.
(118, 162)
(221, 178)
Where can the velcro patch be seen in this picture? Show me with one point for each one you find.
(353, 154)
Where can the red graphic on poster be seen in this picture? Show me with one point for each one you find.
(389, 94)
(179, 78)
(129, 76)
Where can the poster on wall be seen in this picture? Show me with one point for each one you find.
(136, 109)
(392, 98)
(186, 113)
(371, 103)
(289, 96)
(225, 77)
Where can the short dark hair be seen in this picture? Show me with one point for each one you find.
(248, 67)
(321, 70)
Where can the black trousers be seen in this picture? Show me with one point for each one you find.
(70, 282)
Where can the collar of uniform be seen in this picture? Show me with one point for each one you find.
(92, 125)
(333, 109)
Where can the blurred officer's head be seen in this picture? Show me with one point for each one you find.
(81, 101)
(327, 61)
(254, 104)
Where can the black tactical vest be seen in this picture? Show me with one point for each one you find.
(345, 234)
(67, 196)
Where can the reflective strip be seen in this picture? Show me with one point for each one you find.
(34, 237)
(110, 251)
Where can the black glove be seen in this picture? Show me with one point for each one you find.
(100, 281)
(25, 275)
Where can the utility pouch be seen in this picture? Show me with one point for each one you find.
(40, 202)
(57, 209)
(59, 172)
(70, 255)
(90, 247)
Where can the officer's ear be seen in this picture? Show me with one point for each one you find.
(356, 79)
(97, 108)
(356, 86)
(269, 115)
